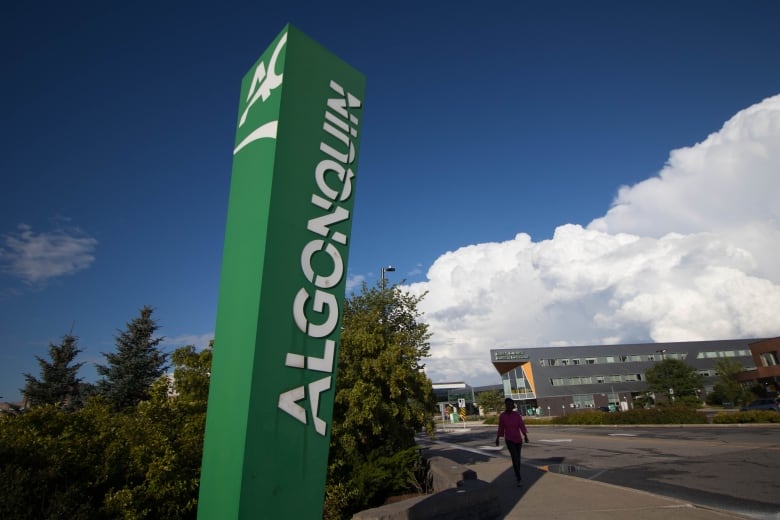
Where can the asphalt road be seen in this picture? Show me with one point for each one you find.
(733, 468)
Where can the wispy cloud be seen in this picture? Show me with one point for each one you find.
(689, 254)
(354, 282)
(197, 340)
(37, 257)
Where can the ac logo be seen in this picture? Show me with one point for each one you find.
(263, 83)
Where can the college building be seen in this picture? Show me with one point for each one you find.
(766, 360)
(560, 380)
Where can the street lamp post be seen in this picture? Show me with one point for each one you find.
(388, 269)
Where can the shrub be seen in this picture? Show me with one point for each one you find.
(752, 416)
(583, 417)
(666, 415)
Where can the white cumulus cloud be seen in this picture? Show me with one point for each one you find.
(690, 254)
(37, 257)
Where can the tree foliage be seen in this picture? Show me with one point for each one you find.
(491, 401)
(192, 372)
(674, 379)
(136, 364)
(58, 384)
(728, 389)
(96, 463)
(382, 398)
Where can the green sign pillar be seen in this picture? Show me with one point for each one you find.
(282, 284)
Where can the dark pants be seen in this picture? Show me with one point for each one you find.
(514, 450)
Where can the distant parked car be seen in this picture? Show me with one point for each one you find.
(766, 403)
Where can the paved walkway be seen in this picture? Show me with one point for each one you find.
(553, 496)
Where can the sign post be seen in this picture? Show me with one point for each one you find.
(282, 284)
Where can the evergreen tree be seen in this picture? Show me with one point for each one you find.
(58, 384)
(136, 364)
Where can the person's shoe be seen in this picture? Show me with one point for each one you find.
(520, 483)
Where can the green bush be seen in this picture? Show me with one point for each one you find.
(583, 417)
(372, 481)
(535, 420)
(666, 415)
(493, 419)
(753, 416)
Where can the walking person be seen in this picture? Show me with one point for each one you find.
(512, 427)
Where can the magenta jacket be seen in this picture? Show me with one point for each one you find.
(511, 425)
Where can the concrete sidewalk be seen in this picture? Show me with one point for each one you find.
(547, 495)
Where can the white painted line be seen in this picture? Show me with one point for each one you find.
(554, 440)
(480, 451)
(490, 448)
(622, 434)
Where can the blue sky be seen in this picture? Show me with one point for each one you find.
(495, 142)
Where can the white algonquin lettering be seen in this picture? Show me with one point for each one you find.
(323, 282)
(322, 299)
(340, 128)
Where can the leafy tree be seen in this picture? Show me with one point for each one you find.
(382, 398)
(674, 379)
(192, 372)
(58, 384)
(98, 464)
(491, 401)
(136, 364)
(728, 389)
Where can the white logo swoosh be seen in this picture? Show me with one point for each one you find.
(267, 131)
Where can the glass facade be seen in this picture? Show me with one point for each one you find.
(516, 385)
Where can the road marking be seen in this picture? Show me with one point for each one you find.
(490, 448)
(622, 434)
(555, 440)
(481, 450)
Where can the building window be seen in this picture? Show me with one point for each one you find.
(557, 381)
(611, 359)
(583, 401)
(599, 379)
(564, 362)
(590, 361)
(576, 361)
(769, 359)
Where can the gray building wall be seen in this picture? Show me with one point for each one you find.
(629, 360)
